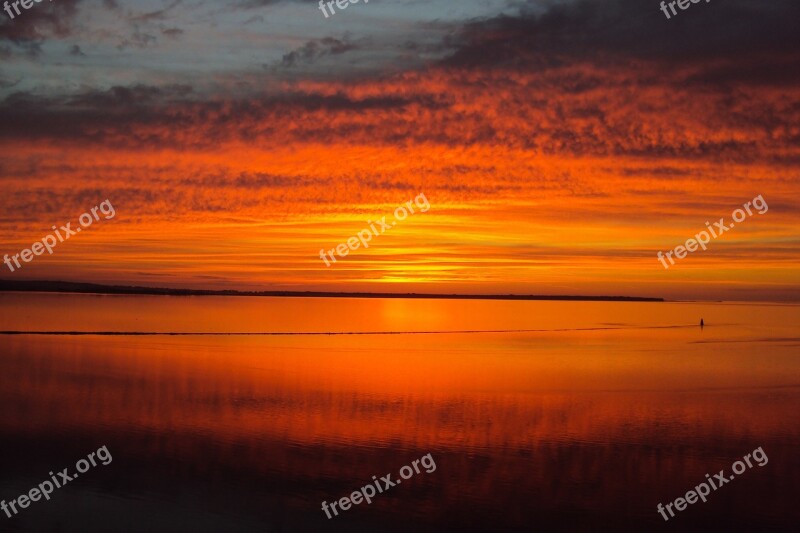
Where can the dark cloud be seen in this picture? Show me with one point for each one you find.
(85, 116)
(40, 22)
(173, 32)
(738, 31)
(112, 117)
(316, 49)
(31, 49)
(7, 83)
(127, 97)
(158, 14)
(137, 39)
(603, 79)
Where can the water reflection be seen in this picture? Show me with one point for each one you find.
(557, 431)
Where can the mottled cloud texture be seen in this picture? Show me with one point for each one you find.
(561, 144)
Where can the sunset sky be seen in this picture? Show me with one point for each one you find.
(561, 144)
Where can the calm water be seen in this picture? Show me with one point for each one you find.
(584, 424)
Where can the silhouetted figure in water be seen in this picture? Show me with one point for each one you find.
(701, 323)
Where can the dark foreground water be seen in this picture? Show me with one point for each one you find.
(586, 423)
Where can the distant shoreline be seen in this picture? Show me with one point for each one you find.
(92, 288)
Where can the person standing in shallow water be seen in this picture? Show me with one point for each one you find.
(701, 323)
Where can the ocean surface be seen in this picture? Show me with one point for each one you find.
(539, 416)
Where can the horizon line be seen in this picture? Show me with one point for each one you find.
(96, 288)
